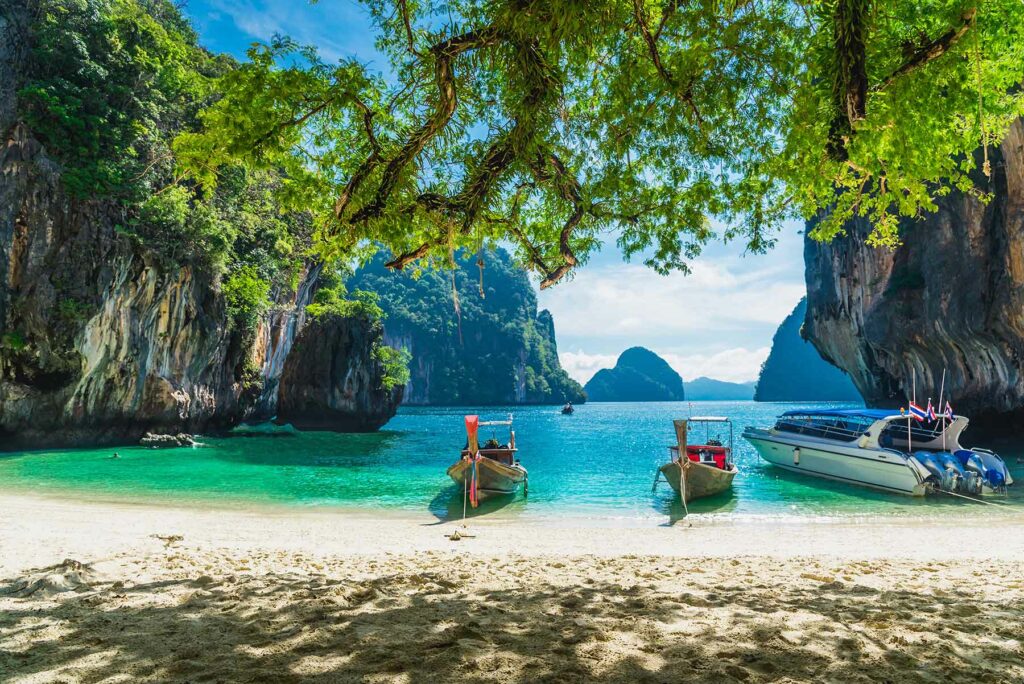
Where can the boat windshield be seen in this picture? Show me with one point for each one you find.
(837, 427)
(895, 434)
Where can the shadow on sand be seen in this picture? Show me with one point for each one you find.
(447, 505)
(667, 503)
(507, 622)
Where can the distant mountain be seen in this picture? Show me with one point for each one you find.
(498, 349)
(795, 371)
(639, 375)
(709, 389)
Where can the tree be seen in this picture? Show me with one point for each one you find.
(548, 123)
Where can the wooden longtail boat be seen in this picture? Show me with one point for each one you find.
(699, 470)
(492, 469)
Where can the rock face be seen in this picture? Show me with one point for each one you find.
(489, 348)
(795, 371)
(639, 375)
(332, 380)
(99, 344)
(166, 441)
(709, 389)
(951, 296)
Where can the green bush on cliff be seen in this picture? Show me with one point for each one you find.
(247, 297)
(395, 363)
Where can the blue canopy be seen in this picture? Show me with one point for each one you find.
(870, 414)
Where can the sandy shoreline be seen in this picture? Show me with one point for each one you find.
(185, 594)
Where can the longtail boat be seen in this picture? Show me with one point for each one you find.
(491, 469)
(698, 470)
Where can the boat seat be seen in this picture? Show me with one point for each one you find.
(717, 453)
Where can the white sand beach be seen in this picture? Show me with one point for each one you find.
(94, 592)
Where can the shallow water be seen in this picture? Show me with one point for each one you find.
(597, 464)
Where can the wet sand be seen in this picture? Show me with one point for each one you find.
(157, 593)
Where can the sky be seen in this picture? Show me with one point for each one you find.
(716, 322)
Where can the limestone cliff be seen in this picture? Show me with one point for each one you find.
(951, 296)
(100, 341)
(332, 380)
(794, 371)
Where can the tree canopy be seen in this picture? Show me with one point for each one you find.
(549, 124)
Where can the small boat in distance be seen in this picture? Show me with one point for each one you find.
(491, 469)
(568, 409)
(881, 449)
(699, 470)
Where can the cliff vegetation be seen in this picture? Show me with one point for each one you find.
(482, 343)
(133, 299)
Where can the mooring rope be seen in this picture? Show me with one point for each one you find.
(981, 501)
(682, 486)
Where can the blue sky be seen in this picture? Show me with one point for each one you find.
(718, 321)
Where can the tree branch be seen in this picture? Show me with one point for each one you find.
(931, 51)
(444, 53)
(404, 9)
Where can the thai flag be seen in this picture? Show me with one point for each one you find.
(949, 411)
(917, 412)
(931, 410)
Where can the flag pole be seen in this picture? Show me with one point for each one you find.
(942, 388)
(913, 399)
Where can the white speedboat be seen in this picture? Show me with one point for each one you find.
(880, 449)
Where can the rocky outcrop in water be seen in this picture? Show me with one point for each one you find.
(166, 441)
(332, 379)
(638, 375)
(795, 371)
(951, 296)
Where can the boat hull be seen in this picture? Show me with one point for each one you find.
(493, 478)
(886, 471)
(701, 480)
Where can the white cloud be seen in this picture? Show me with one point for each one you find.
(718, 321)
(732, 365)
(581, 366)
(711, 307)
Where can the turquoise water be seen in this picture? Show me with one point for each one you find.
(598, 463)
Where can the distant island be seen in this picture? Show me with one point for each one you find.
(709, 389)
(795, 371)
(491, 347)
(638, 375)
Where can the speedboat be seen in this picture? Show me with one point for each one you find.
(702, 469)
(490, 469)
(568, 410)
(881, 449)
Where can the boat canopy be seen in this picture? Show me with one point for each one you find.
(869, 414)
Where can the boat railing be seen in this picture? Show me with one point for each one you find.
(814, 429)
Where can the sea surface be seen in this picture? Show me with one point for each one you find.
(598, 464)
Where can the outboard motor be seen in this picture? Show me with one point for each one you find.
(991, 469)
(929, 461)
(955, 473)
